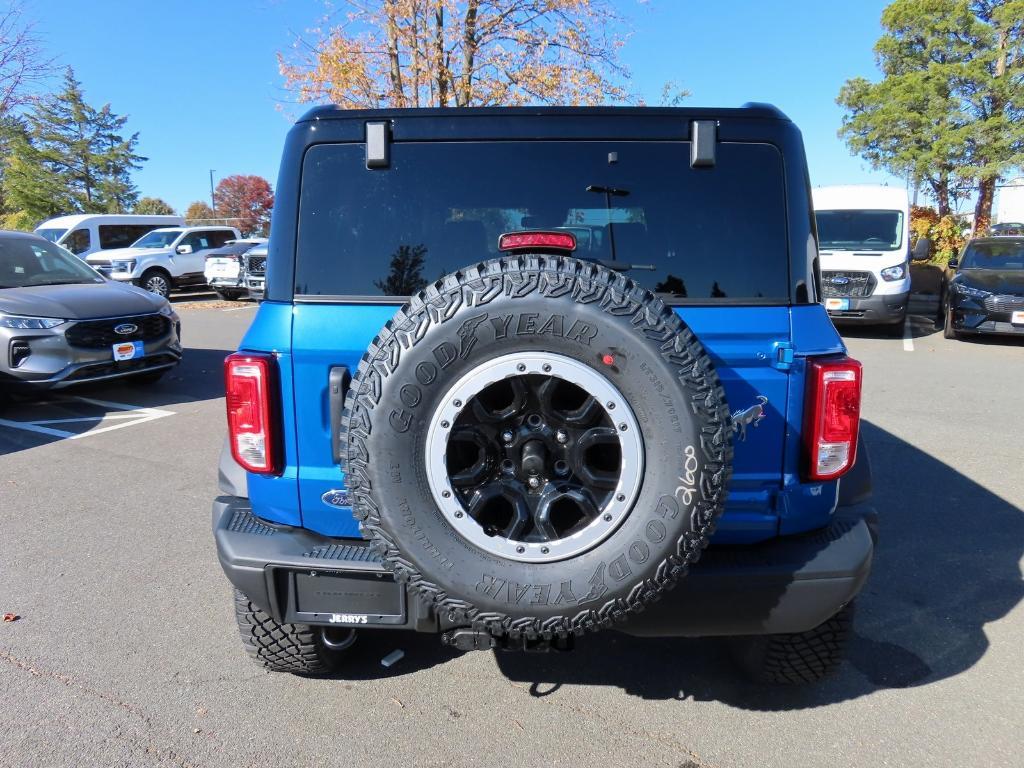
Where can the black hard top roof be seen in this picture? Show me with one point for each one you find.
(748, 111)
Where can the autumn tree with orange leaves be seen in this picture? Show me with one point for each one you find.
(456, 53)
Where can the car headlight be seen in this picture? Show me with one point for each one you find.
(21, 322)
(971, 291)
(894, 273)
(127, 265)
(167, 311)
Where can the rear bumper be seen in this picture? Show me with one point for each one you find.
(256, 286)
(878, 309)
(231, 283)
(787, 585)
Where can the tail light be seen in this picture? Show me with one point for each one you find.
(250, 382)
(536, 240)
(832, 417)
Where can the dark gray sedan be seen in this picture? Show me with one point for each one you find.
(63, 323)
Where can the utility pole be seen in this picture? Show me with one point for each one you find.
(213, 201)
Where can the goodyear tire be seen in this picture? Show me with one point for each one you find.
(538, 446)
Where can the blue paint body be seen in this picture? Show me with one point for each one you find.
(757, 350)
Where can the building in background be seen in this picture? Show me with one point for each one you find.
(1010, 201)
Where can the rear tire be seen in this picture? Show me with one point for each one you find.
(296, 648)
(801, 657)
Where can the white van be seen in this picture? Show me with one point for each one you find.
(864, 250)
(90, 232)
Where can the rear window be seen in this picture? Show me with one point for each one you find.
(690, 234)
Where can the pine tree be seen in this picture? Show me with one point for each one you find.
(71, 158)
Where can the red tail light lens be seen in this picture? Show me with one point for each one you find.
(250, 381)
(832, 417)
(517, 241)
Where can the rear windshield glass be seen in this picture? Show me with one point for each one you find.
(687, 234)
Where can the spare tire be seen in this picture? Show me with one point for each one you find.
(538, 446)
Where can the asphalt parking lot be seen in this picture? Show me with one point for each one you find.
(126, 652)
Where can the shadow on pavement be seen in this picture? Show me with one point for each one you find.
(198, 377)
(947, 564)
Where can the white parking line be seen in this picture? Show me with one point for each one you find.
(236, 309)
(908, 337)
(131, 415)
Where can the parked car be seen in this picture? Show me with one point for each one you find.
(254, 266)
(501, 412)
(986, 293)
(88, 233)
(224, 271)
(166, 258)
(864, 247)
(1007, 228)
(63, 323)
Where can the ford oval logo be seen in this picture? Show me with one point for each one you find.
(124, 329)
(839, 280)
(336, 498)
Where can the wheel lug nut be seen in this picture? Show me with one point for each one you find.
(561, 436)
(534, 482)
(507, 435)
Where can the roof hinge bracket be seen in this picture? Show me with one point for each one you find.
(784, 355)
(378, 145)
(703, 135)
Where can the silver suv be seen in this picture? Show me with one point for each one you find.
(61, 323)
(166, 258)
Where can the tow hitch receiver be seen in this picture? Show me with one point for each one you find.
(466, 639)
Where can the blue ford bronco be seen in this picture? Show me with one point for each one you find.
(525, 374)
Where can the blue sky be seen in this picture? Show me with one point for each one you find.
(199, 80)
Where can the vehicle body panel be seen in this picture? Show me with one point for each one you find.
(91, 319)
(759, 349)
(876, 300)
(127, 264)
(74, 232)
(988, 300)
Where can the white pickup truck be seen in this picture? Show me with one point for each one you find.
(166, 258)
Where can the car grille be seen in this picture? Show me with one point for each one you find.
(1004, 303)
(847, 283)
(256, 265)
(96, 334)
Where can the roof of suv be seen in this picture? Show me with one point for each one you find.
(748, 110)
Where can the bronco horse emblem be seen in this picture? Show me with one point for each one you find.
(749, 417)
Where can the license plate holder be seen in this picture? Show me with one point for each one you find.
(1017, 318)
(349, 598)
(837, 305)
(127, 350)
(221, 268)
